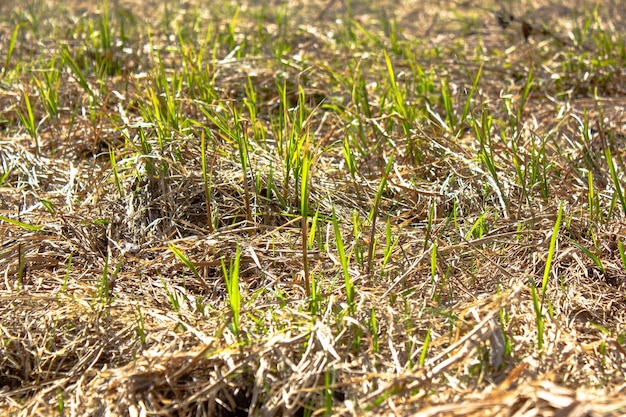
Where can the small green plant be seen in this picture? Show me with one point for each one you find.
(48, 90)
(539, 304)
(482, 130)
(187, 262)
(374, 331)
(374, 214)
(107, 282)
(60, 399)
(615, 178)
(304, 212)
(28, 121)
(390, 245)
(67, 274)
(231, 278)
(11, 48)
(433, 270)
(344, 261)
(622, 253)
(425, 347)
(140, 328)
(207, 176)
(172, 295)
(116, 177)
(25, 226)
(68, 60)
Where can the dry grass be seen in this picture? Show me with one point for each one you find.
(113, 298)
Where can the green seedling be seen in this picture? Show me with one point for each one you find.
(615, 178)
(433, 269)
(344, 261)
(172, 296)
(106, 283)
(11, 48)
(140, 328)
(424, 353)
(28, 121)
(183, 258)
(207, 177)
(546, 274)
(116, 177)
(622, 254)
(486, 156)
(390, 245)
(67, 274)
(304, 212)
(231, 278)
(374, 214)
(596, 260)
(68, 60)
(25, 226)
(48, 90)
(374, 331)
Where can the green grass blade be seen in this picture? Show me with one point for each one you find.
(18, 223)
(551, 251)
(11, 47)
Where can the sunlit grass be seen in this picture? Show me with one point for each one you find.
(328, 209)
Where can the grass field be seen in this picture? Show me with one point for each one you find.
(312, 208)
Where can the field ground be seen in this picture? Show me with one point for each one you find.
(312, 207)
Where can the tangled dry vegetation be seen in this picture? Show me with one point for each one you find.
(312, 208)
